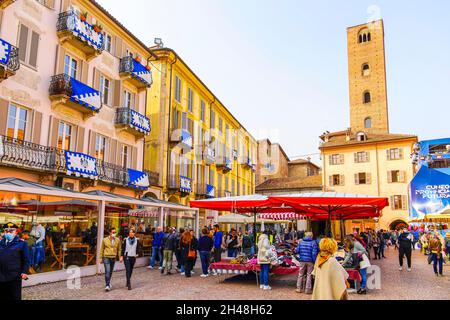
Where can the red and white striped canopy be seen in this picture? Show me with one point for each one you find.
(143, 213)
(280, 216)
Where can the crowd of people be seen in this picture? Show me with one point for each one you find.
(322, 261)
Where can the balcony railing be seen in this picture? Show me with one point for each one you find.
(248, 163)
(132, 70)
(205, 190)
(132, 121)
(80, 34)
(224, 163)
(65, 90)
(27, 155)
(5, 3)
(9, 60)
(180, 183)
(209, 155)
(153, 177)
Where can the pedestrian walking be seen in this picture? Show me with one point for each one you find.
(405, 241)
(436, 254)
(180, 266)
(330, 277)
(264, 260)
(156, 248)
(205, 247)
(131, 249)
(110, 252)
(168, 246)
(189, 248)
(13, 264)
(308, 250)
(376, 245)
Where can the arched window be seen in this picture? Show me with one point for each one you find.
(365, 69)
(367, 97)
(361, 136)
(368, 123)
(364, 36)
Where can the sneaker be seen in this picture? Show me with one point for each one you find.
(204, 275)
(150, 267)
(107, 288)
(261, 286)
(409, 269)
(401, 268)
(160, 268)
(267, 288)
(192, 272)
(129, 286)
(182, 273)
(214, 273)
(299, 290)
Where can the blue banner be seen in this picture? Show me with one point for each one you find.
(5, 52)
(142, 74)
(85, 95)
(140, 122)
(81, 164)
(138, 179)
(429, 193)
(210, 191)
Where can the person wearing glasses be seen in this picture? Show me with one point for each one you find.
(109, 253)
(13, 264)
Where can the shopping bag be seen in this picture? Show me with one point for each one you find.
(364, 263)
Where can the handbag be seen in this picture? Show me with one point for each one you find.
(191, 253)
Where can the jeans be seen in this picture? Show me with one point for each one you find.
(232, 253)
(217, 254)
(168, 258)
(129, 266)
(205, 256)
(264, 275)
(437, 260)
(402, 252)
(363, 273)
(304, 281)
(109, 268)
(178, 257)
(188, 265)
(156, 251)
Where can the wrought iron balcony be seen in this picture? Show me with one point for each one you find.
(80, 34)
(9, 60)
(27, 155)
(5, 3)
(65, 90)
(134, 72)
(180, 183)
(248, 163)
(204, 190)
(132, 121)
(209, 155)
(225, 164)
(182, 138)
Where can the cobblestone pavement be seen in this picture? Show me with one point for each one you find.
(420, 284)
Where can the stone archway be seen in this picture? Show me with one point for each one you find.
(174, 199)
(398, 224)
(150, 195)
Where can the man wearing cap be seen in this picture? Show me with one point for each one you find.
(13, 264)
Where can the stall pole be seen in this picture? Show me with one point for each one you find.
(254, 228)
(161, 218)
(328, 231)
(342, 228)
(100, 233)
(197, 224)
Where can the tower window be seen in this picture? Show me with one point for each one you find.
(365, 69)
(368, 123)
(367, 97)
(361, 136)
(364, 36)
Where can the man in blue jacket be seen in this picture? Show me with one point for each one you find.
(308, 250)
(156, 248)
(13, 264)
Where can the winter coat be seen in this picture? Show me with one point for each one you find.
(263, 249)
(405, 241)
(13, 259)
(308, 250)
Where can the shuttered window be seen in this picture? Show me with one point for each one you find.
(363, 178)
(105, 89)
(125, 156)
(394, 154)
(190, 100)
(17, 124)
(177, 89)
(362, 157)
(395, 176)
(100, 147)
(65, 136)
(337, 180)
(71, 66)
(202, 111)
(213, 120)
(28, 46)
(336, 159)
(399, 202)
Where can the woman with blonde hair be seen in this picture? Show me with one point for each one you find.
(330, 277)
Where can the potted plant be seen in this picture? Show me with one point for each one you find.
(138, 59)
(98, 27)
(83, 16)
(148, 67)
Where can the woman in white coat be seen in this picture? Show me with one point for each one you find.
(264, 261)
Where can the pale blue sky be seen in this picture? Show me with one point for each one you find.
(281, 66)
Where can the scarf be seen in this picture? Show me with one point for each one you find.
(131, 241)
(323, 257)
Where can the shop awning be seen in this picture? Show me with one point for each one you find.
(242, 204)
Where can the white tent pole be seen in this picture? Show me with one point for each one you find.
(100, 232)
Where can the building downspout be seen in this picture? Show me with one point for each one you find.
(168, 124)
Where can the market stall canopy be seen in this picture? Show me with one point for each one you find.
(234, 218)
(242, 204)
(333, 205)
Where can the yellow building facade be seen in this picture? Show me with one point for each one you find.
(366, 158)
(199, 148)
